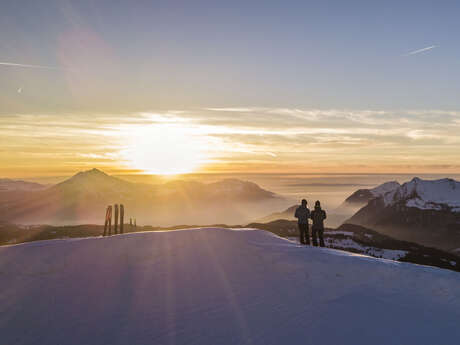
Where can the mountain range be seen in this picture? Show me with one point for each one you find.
(84, 197)
(420, 211)
(405, 216)
(423, 211)
(337, 216)
(362, 196)
(7, 184)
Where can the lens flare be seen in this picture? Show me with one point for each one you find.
(165, 149)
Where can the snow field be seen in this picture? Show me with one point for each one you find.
(218, 286)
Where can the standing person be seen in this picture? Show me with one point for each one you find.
(302, 213)
(318, 216)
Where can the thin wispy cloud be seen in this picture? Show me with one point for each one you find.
(12, 64)
(231, 109)
(331, 138)
(418, 51)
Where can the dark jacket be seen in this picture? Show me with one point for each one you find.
(302, 214)
(318, 216)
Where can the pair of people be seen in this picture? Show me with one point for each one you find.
(317, 216)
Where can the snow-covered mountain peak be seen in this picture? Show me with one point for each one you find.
(385, 188)
(362, 196)
(427, 194)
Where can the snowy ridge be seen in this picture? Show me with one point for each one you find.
(349, 244)
(362, 196)
(427, 194)
(385, 188)
(218, 286)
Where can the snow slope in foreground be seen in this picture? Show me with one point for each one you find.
(218, 286)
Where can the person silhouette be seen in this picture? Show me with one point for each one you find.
(318, 216)
(302, 213)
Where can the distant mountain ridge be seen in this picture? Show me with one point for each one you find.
(84, 197)
(424, 211)
(427, 195)
(19, 185)
(287, 214)
(362, 196)
(336, 216)
(420, 211)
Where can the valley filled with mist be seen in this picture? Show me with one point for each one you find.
(290, 188)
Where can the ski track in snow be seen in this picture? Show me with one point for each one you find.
(218, 286)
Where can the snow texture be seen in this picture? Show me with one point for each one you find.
(218, 286)
(340, 232)
(349, 244)
(427, 194)
(385, 188)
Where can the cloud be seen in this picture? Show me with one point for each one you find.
(329, 185)
(263, 137)
(420, 50)
(12, 64)
(234, 110)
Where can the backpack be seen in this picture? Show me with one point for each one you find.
(318, 217)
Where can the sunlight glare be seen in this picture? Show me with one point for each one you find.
(165, 149)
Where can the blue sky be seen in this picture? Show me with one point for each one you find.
(272, 86)
(128, 56)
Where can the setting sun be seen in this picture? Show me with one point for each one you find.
(164, 149)
(229, 172)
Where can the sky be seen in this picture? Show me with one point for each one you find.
(172, 87)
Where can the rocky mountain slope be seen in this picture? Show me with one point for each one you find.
(423, 211)
(362, 196)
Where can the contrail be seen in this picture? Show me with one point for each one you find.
(11, 64)
(420, 50)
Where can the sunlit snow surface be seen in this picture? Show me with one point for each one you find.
(349, 244)
(218, 286)
(385, 188)
(427, 194)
